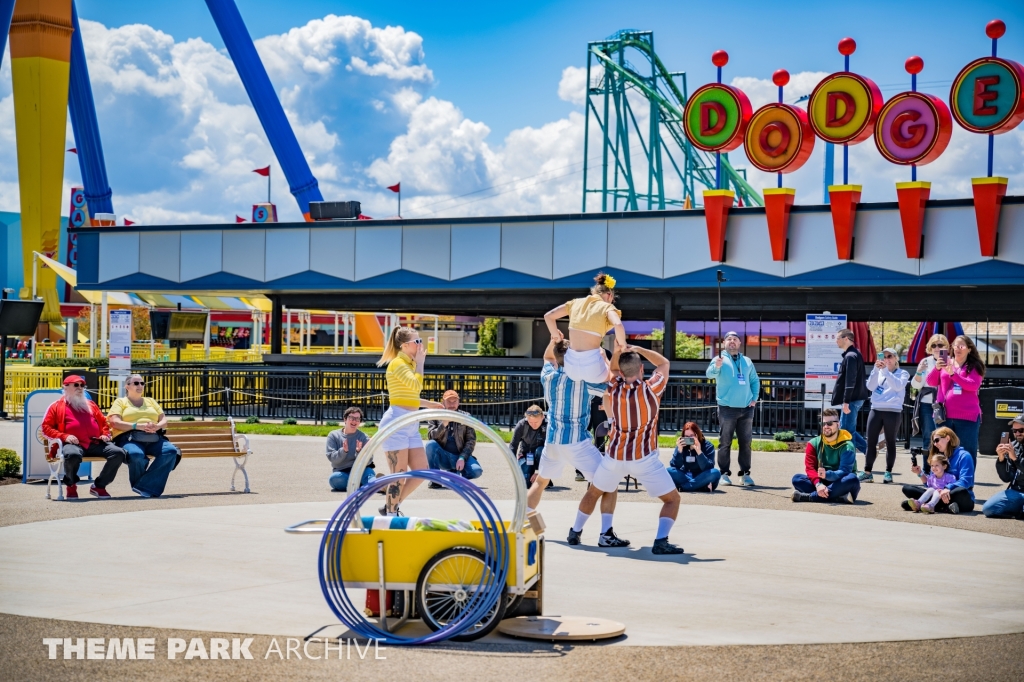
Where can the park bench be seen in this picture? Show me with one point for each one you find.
(193, 439)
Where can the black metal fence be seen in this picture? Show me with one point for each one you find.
(497, 399)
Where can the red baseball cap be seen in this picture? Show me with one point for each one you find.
(74, 379)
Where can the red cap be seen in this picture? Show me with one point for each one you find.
(450, 393)
(74, 379)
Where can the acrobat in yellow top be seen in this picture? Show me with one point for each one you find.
(590, 318)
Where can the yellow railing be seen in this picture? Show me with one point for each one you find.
(140, 351)
(19, 381)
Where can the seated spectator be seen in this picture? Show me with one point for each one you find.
(138, 424)
(955, 497)
(693, 463)
(78, 423)
(342, 447)
(830, 461)
(451, 444)
(1010, 467)
(935, 482)
(528, 441)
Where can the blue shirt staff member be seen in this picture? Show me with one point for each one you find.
(738, 389)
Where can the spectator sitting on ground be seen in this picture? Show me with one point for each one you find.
(528, 441)
(955, 497)
(77, 422)
(830, 461)
(451, 444)
(1010, 467)
(138, 424)
(342, 447)
(934, 482)
(693, 463)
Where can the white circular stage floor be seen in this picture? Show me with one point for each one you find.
(749, 576)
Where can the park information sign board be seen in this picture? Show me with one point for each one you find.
(120, 344)
(822, 357)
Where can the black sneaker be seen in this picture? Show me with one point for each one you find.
(954, 508)
(610, 539)
(574, 537)
(801, 497)
(663, 546)
(907, 506)
(551, 484)
(434, 485)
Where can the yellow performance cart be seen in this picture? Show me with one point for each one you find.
(431, 569)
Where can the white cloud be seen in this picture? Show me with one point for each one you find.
(573, 86)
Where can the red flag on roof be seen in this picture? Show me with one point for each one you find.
(239, 219)
(128, 222)
(73, 150)
(262, 171)
(396, 188)
(364, 217)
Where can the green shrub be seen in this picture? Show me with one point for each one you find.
(10, 462)
(487, 335)
(785, 436)
(290, 421)
(220, 419)
(252, 420)
(187, 418)
(331, 423)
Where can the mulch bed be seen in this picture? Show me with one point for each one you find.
(8, 480)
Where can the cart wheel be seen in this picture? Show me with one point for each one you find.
(445, 587)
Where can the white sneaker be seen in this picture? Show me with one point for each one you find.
(747, 480)
(725, 480)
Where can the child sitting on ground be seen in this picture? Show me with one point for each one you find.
(936, 482)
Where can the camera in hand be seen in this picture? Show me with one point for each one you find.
(687, 440)
(914, 452)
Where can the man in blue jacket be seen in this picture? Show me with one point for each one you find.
(738, 389)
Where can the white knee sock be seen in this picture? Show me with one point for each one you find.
(664, 527)
(581, 519)
(606, 522)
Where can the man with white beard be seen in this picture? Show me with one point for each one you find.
(78, 423)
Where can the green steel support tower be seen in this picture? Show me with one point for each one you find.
(615, 89)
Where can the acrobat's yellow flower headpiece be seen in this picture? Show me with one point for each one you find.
(609, 281)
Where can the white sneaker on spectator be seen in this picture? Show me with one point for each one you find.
(726, 480)
(747, 480)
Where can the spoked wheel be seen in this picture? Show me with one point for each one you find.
(446, 587)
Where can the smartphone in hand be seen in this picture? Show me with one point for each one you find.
(944, 355)
(1004, 438)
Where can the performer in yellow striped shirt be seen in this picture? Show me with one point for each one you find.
(404, 355)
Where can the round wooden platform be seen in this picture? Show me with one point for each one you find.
(561, 628)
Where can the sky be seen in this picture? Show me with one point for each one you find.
(476, 108)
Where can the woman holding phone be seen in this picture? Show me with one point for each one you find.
(926, 394)
(693, 463)
(958, 379)
(888, 386)
(404, 355)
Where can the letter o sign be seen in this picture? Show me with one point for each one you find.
(913, 128)
(716, 117)
(986, 96)
(779, 138)
(843, 108)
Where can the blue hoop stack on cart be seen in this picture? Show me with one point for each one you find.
(492, 582)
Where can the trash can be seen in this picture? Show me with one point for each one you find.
(999, 404)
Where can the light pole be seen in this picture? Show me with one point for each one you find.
(721, 278)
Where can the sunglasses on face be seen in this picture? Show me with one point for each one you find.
(959, 347)
(1017, 430)
(889, 356)
(534, 414)
(77, 385)
(938, 440)
(136, 383)
(829, 423)
(938, 345)
(354, 417)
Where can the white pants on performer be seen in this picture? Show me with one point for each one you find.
(589, 365)
(582, 455)
(406, 438)
(650, 471)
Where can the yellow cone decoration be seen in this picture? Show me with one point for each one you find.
(40, 65)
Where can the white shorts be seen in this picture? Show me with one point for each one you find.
(406, 438)
(650, 471)
(582, 455)
(589, 365)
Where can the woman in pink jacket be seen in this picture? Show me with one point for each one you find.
(958, 380)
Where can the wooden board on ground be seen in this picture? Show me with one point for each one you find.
(561, 628)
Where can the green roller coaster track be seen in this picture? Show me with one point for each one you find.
(608, 103)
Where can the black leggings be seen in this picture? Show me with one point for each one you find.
(879, 420)
(958, 495)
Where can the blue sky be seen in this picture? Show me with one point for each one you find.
(465, 96)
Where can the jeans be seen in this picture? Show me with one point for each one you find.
(961, 496)
(967, 431)
(836, 489)
(698, 483)
(73, 459)
(442, 460)
(879, 420)
(738, 421)
(1004, 504)
(339, 479)
(927, 426)
(849, 422)
(150, 480)
(530, 469)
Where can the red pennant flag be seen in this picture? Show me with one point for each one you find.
(128, 222)
(364, 217)
(239, 219)
(265, 172)
(396, 188)
(73, 150)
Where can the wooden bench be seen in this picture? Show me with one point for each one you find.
(193, 439)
